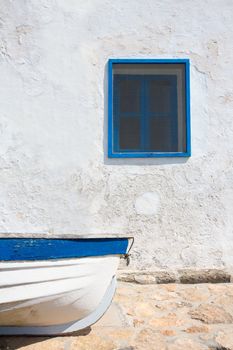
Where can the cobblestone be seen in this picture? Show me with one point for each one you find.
(151, 316)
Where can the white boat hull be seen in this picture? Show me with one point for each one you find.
(55, 296)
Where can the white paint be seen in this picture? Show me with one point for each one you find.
(54, 174)
(68, 327)
(52, 293)
(147, 203)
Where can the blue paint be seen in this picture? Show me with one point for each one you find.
(149, 154)
(17, 249)
(110, 96)
(148, 60)
(114, 150)
(188, 113)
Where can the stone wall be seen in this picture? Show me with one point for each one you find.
(55, 176)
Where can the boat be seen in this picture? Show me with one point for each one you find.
(51, 286)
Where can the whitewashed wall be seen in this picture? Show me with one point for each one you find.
(54, 173)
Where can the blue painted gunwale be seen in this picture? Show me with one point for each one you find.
(28, 249)
(111, 153)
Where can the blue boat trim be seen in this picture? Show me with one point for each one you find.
(19, 249)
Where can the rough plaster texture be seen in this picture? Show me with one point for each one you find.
(54, 173)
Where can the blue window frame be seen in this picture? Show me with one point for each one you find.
(149, 108)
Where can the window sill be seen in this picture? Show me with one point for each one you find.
(148, 154)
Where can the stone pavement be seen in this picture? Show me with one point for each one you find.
(152, 316)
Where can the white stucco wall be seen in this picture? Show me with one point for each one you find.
(54, 173)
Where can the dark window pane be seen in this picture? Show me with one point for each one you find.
(129, 95)
(149, 107)
(129, 133)
(159, 96)
(161, 137)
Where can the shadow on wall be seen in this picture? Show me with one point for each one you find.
(129, 161)
(17, 342)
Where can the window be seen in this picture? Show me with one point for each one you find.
(149, 108)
